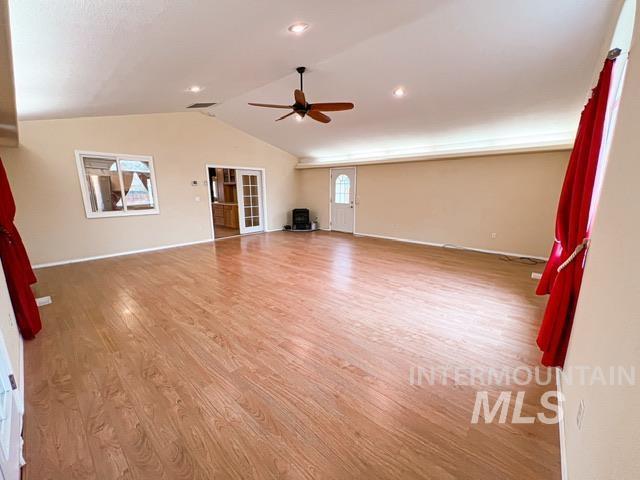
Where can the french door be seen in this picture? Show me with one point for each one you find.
(250, 201)
(343, 192)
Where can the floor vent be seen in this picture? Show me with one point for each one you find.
(202, 105)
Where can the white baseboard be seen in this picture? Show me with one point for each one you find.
(444, 245)
(561, 412)
(119, 254)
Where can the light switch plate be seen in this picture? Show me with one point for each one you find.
(41, 301)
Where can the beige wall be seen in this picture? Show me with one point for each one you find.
(606, 329)
(461, 201)
(312, 192)
(50, 212)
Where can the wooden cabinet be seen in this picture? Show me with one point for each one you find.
(225, 214)
(218, 213)
(226, 180)
(231, 216)
(225, 210)
(229, 175)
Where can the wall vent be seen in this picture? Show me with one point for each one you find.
(202, 105)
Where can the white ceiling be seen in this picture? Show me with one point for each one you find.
(474, 70)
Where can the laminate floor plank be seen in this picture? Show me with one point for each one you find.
(282, 356)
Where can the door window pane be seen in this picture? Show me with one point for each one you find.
(342, 189)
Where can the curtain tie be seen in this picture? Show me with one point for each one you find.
(579, 248)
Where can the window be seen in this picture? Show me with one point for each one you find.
(117, 185)
(343, 186)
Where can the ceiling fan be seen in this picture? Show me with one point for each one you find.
(302, 108)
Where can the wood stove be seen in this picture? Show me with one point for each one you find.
(300, 219)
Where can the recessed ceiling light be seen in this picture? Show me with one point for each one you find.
(298, 28)
(195, 89)
(399, 92)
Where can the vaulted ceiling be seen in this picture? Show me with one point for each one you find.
(474, 71)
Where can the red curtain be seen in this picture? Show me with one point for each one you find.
(15, 262)
(562, 276)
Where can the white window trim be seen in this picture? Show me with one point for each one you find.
(116, 156)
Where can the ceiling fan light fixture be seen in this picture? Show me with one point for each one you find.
(299, 118)
(298, 28)
(399, 92)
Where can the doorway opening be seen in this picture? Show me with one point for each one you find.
(237, 200)
(343, 195)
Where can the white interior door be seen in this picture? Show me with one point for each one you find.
(343, 191)
(11, 400)
(250, 201)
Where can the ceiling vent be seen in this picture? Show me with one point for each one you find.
(202, 105)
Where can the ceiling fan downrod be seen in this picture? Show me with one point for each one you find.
(301, 70)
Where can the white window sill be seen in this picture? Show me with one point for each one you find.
(92, 215)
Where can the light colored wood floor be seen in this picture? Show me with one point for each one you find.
(280, 355)
(221, 231)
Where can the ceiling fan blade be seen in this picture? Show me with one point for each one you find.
(285, 116)
(299, 96)
(319, 116)
(269, 105)
(330, 107)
